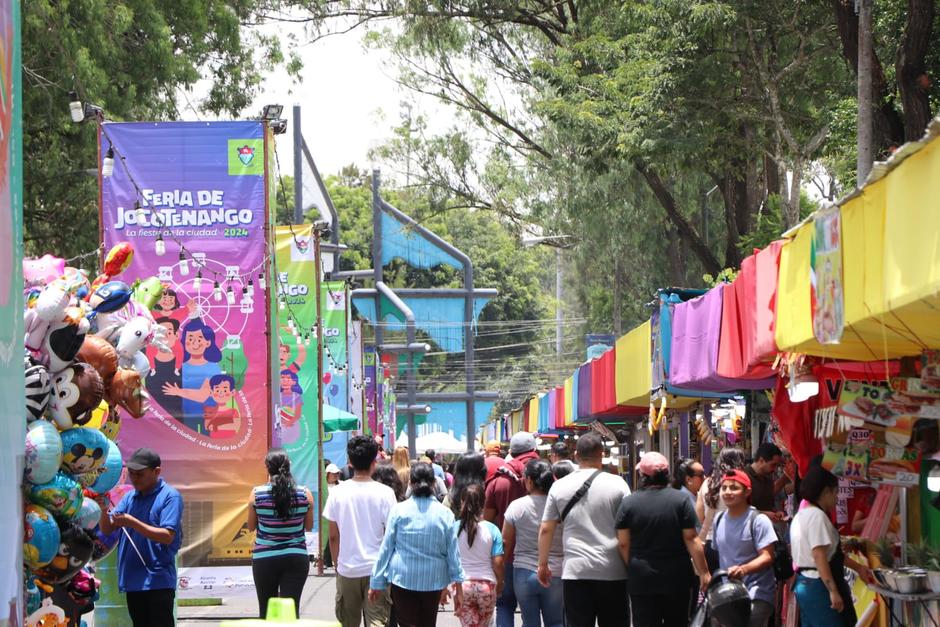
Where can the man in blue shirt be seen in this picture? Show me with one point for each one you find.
(438, 469)
(150, 519)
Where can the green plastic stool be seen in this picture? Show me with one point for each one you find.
(280, 612)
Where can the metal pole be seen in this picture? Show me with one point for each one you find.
(299, 170)
(321, 491)
(468, 352)
(864, 131)
(558, 303)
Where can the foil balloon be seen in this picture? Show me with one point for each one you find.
(135, 335)
(104, 544)
(117, 493)
(118, 258)
(47, 308)
(64, 339)
(89, 515)
(148, 292)
(98, 416)
(87, 479)
(76, 282)
(76, 391)
(111, 426)
(62, 496)
(38, 387)
(127, 391)
(100, 354)
(43, 452)
(42, 271)
(110, 471)
(40, 536)
(110, 297)
(47, 614)
(74, 551)
(83, 450)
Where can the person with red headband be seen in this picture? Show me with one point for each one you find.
(744, 539)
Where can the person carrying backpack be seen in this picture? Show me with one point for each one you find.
(745, 541)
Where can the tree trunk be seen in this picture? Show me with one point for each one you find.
(687, 232)
(615, 305)
(771, 177)
(888, 125)
(791, 210)
(911, 67)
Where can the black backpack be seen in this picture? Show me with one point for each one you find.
(783, 561)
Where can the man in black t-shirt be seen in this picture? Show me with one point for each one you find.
(764, 486)
(656, 533)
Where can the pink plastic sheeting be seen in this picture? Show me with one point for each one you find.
(696, 332)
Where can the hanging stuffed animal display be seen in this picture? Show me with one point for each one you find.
(38, 388)
(76, 391)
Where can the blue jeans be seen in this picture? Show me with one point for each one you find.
(815, 606)
(535, 600)
(506, 603)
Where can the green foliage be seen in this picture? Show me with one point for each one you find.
(727, 275)
(134, 58)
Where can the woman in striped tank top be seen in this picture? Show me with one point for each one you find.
(280, 511)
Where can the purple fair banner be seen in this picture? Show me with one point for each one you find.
(191, 199)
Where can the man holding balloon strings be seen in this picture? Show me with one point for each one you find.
(150, 518)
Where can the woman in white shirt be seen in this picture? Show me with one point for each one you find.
(821, 590)
(708, 504)
(481, 555)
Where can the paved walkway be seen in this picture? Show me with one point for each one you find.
(317, 602)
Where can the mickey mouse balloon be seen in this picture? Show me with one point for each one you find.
(83, 450)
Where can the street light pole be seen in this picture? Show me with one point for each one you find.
(865, 130)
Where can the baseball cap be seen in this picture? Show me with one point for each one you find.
(331, 468)
(652, 463)
(522, 442)
(143, 458)
(737, 475)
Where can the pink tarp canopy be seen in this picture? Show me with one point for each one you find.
(696, 333)
(739, 326)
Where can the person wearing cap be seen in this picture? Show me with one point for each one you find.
(584, 505)
(744, 539)
(150, 517)
(505, 486)
(656, 536)
(493, 459)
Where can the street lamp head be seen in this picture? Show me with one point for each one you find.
(271, 112)
(528, 241)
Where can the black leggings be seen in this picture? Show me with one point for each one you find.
(415, 609)
(283, 576)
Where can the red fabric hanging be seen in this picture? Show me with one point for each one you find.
(557, 419)
(739, 326)
(603, 389)
(764, 346)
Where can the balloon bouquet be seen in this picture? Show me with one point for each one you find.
(84, 359)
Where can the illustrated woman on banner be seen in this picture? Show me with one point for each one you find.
(201, 359)
(284, 353)
(165, 368)
(291, 407)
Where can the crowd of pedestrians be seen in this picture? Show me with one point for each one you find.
(554, 542)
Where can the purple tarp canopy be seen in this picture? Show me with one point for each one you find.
(584, 391)
(696, 331)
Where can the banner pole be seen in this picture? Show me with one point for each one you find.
(321, 491)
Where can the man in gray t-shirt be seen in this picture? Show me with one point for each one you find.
(594, 575)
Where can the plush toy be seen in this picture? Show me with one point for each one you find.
(101, 355)
(110, 470)
(43, 452)
(37, 389)
(75, 549)
(64, 339)
(127, 391)
(42, 271)
(62, 496)
(75, 392)
(88, 515)
(118, 258)
(40, 536)
(83, 450)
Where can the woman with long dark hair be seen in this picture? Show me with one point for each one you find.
(481, 554)
(419, 557)
(280, 511)
(469, 470)
(521, 544)
(821, 590)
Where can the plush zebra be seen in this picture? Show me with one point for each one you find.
(37, 389)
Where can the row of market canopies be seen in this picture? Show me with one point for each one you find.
(858, 281)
